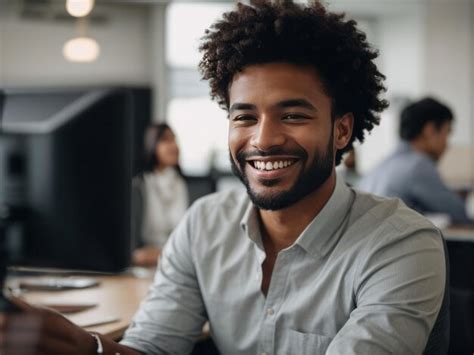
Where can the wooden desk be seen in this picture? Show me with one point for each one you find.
(117, 296)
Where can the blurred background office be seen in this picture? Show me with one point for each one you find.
(426, 48)
(150, 47)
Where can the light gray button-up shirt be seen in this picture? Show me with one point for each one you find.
(366, 276)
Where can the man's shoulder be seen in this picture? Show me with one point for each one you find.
(385, 227)
(387, 215)
(213, 220)
(231, 202)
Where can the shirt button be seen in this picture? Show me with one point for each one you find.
(270, 311)
(258, 277)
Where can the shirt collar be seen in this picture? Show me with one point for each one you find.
(325, 229)
(250, 224)
(321, 234)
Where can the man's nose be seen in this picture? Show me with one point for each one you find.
(268, 134)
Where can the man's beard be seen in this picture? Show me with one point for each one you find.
(308, 180)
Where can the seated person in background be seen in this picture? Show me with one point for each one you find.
(299, 263)
(160, 197)
(410, 172)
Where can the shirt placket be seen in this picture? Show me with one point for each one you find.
(273, 303)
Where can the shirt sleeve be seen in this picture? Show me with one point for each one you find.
(398, 294)
(433, 195)
(170, 319)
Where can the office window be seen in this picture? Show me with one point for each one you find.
(200, 125)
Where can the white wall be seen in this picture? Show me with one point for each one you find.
(448, 75)
(428, 51)
(31, 54)
(398, 37)
(158, 71)
(2, 38)
(448, 65)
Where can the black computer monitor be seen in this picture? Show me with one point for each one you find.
(65, 169)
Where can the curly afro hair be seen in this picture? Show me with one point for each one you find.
(282, 31)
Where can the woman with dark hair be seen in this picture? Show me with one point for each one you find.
(160, 194)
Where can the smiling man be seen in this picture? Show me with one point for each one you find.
(301, 263)
(281, 136)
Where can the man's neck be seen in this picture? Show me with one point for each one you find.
(281, 228)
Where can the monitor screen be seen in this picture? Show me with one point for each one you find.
(65, 162)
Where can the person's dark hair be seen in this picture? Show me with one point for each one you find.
(153, 135)
(304, 35)
(416, 115)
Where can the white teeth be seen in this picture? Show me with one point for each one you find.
(261, 165)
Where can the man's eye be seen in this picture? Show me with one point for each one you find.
(294, 117)
(244, 118)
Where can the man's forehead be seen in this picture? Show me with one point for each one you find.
(274, 70)
(279, 83)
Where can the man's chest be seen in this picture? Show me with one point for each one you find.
(305, 295)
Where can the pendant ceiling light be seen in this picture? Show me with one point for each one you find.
(79, 8)
(81, 49)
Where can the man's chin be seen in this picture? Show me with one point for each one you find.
(271, 200)
(271, 194)
(269, 187)
(269, 182)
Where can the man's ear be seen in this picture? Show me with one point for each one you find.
(343, 127)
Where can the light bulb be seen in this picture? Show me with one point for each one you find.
(81, 49)
(79, 8)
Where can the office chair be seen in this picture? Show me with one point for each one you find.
(462, 297)
(199, 186)
(438, 341)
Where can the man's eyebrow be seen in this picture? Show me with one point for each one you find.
(282, 104)
(297, 103)
(242, 106)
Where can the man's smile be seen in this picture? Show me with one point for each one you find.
(271, 164)
(272, 167)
